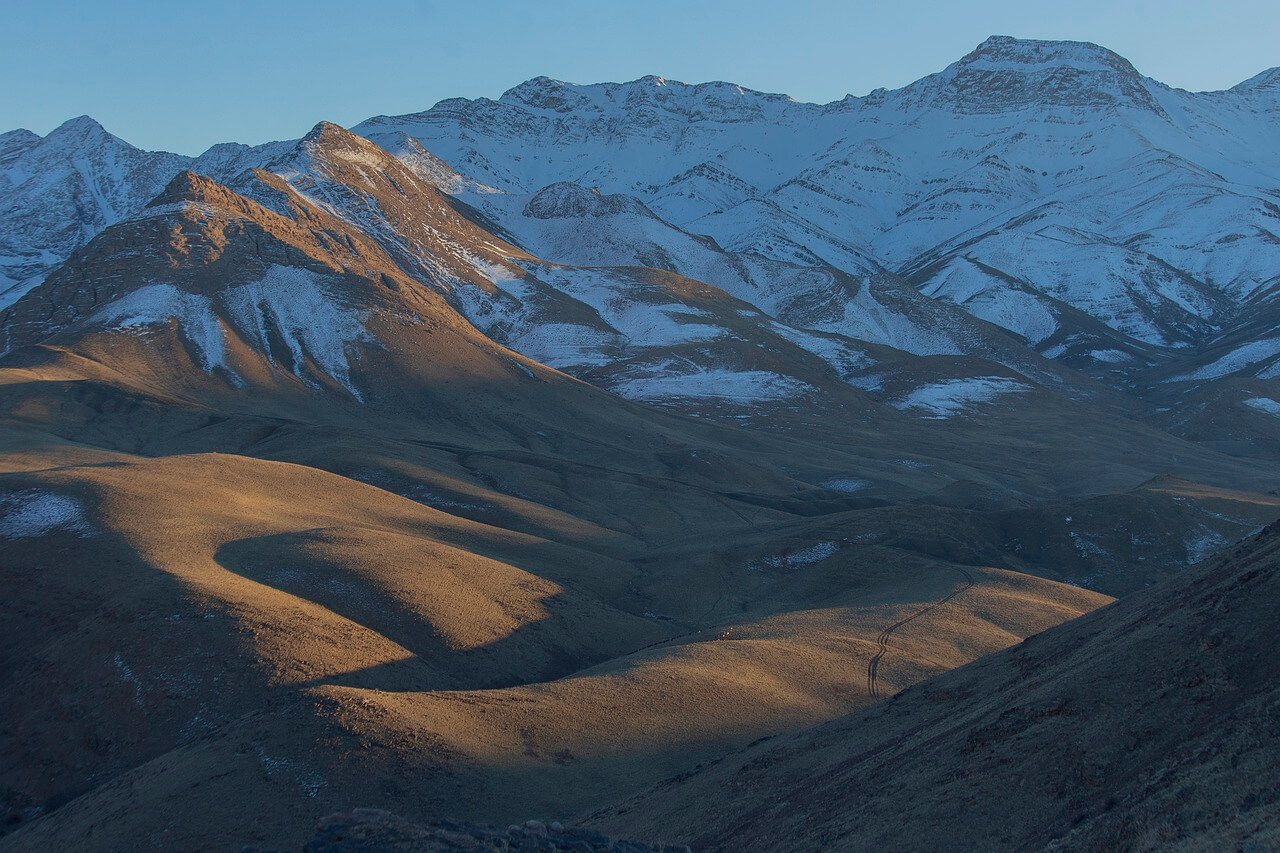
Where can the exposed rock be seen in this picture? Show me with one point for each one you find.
(368, 830)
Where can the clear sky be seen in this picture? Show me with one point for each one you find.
(181, 75)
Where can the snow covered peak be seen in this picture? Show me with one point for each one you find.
(1025, 55)
(190, 191)
(544, 93)
(187, 186)
(78, 132)
(716, 101)
(13, 145)
(1006, 74)
(326, 131)
(19, 138)
(329, 146)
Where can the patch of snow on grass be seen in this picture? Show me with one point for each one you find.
(1203, 545)
(1087, 547)
(844, 358)
(494, 272)
(33, 512)
(562, 345)
(1264, 404)
(815, 553)
(848, 486)
(943, 399)
(1238, 359)
(127, 676)
(742, 386)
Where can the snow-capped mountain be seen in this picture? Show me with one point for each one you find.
(1052, 164)
(57, 191)
(1040, 206)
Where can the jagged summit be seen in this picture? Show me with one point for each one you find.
(715, 100)
(1266, 81)
(327, 130)
(19, 135)
(1005, 73)
(80, 127)
(14, 143)
(188, 186)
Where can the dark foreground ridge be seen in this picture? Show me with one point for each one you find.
(1153, 723)
(368, 830)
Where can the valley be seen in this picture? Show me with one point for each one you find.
(602, 452)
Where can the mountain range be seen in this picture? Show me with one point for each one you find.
(503, 460)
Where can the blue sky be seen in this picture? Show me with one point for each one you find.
(181, 75)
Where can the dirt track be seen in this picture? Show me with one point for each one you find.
(873, 666)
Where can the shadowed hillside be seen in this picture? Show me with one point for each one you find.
(1148, 724)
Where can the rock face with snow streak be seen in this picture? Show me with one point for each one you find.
(211, 289)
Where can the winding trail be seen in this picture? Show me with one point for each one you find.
(882, 642)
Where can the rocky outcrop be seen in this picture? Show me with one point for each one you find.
(370, 830)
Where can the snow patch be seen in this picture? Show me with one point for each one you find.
(743, 386)
(1203, 544)
(34, 512)
(1264, 404)
(1237, 359)
(943, 399)
(496, 273)
(157, 304)
(127, 676)
(1110, 356)
(793, 560)
(847, 486)
(1087, 547)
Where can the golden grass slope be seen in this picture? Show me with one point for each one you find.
(248, 644)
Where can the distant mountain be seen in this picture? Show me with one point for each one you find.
(57, 191)
(1037, 216)
(1108, 220)
(1053, 166)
